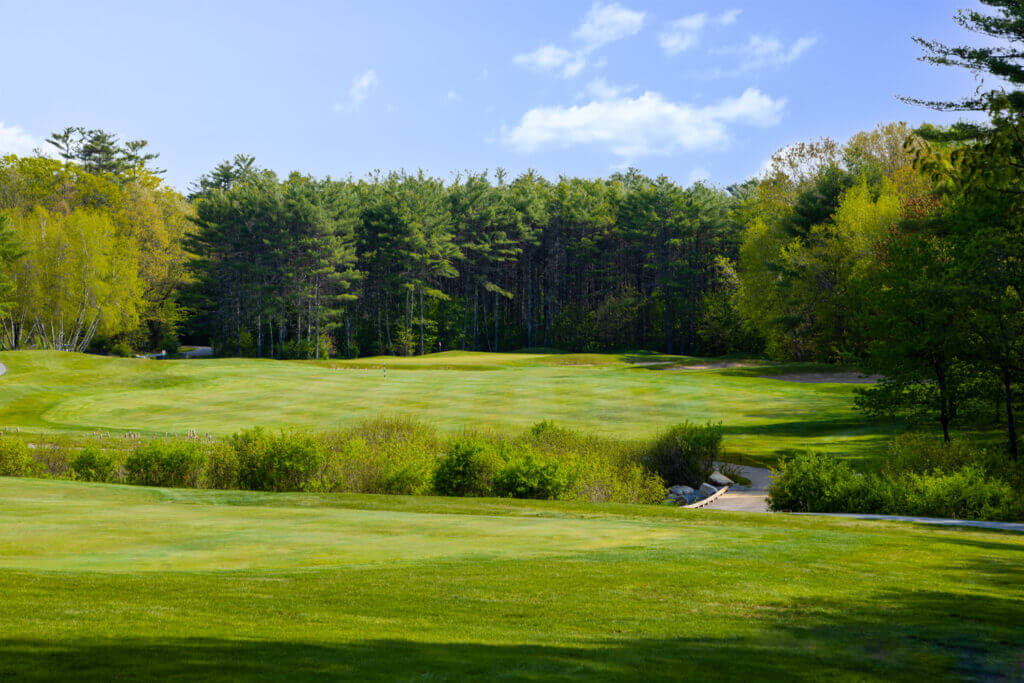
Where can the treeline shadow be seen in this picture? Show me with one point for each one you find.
(900, 636)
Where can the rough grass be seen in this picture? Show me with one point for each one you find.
(605, 394)
(103, 582)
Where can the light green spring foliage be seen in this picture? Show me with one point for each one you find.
(816, 232)
(78, 278)
(109, 247)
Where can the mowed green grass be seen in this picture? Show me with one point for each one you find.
(613, 395)
(103, 582)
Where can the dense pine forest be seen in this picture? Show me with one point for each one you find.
(899, 250)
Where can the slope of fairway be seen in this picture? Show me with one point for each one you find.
(622, 396)
(104, 582)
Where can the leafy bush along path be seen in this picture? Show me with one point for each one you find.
(103, 581)
(602, 394)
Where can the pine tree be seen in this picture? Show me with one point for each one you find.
(1003, 62)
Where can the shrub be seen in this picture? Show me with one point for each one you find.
(221, 468)
(165, 463)
(287, 461)
(93, 464)
(467, 469)
(685, 454)
(814, 482)
(918, 453)
(395, 455)
(16, 459)
(965, 494)
(121, 349)
(54, 459)
(405, 480)
(527, 477)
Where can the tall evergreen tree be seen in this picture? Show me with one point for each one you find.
(1003, 61)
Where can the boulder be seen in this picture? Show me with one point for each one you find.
(707, 490)
(719, 479)
(690, 498)
(679, 492)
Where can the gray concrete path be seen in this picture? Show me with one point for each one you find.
(3, 369)
(938, 521)
(753, 498)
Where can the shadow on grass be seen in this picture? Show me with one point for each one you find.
(898, 636)
(813, 428)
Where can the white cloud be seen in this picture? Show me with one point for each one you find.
(761, 52)
(360, 90)
(603, 24)
(729, 17)
(606, 23)
(600, 89)
(684, 34)
(544, 58)
(15, 140)
(452, 96)
(698, 175)
(642, 126)
(553, 58)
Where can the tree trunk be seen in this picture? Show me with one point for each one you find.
(1011, 426)
(476, 318)
(940, 378)
(423, 349)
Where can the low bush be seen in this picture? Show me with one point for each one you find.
(93, 464)
(814, 482)
(165, 463)
(965, 494)
(221, 467)
(287, 461)
(525, 476)
(466, 469)
(685, 454)
(16, 459)
(121, 349)
(920, 454)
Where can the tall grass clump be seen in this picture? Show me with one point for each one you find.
(384, 455)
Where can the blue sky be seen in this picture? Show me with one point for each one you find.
(688, 88)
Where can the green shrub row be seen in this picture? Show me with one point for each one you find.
(920, 479)
(393, 456)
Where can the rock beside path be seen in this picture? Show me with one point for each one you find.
(719, 479)
(706, 490)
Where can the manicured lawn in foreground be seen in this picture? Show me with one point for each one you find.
(608, 394)
(104, 581)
